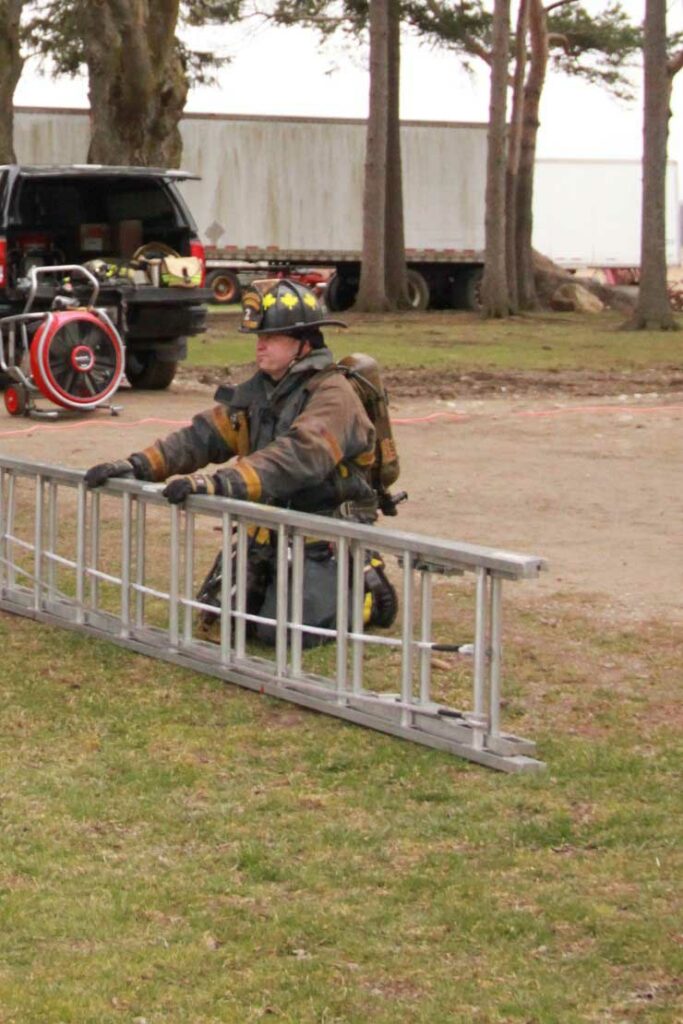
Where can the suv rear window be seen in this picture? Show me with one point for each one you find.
(54, 203)
(140, 202)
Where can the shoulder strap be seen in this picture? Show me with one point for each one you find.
(314, 382)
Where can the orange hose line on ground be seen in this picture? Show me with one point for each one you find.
(400, 421)
(111, 422)
(533, 413)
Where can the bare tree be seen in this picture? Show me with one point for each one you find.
(138, 71)
(137, 81)
(495, 295)
(354, 18)
(653, 310)
(538, 63)
(372, 294)
(513, 155)
(11, 64)
(396, 277)
(563, 36)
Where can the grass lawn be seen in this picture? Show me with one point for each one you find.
(544, 341)
(178, 851)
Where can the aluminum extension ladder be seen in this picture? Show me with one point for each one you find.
(123, 564)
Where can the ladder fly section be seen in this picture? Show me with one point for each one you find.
(121, 563)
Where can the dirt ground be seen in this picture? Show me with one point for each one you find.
(584, 470)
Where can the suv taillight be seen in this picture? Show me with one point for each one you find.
(197, 249)
(3, 262)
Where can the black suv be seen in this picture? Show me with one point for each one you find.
(77, 214)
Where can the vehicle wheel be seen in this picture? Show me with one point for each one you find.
(145, 371)
(340, 293)
(16, 399)
(226, 286)
(467, 289)
(418, 290)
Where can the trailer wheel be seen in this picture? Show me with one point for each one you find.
(340, 293)
(145, 371)
(226, 286)
(418, 290)
(467, 289)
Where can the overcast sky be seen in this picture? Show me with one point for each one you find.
(287, 71)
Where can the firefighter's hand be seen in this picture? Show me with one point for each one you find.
(183, 486)
(103, 471)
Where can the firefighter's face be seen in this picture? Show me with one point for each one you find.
(274, 353)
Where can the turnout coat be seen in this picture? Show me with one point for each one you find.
(302, 442)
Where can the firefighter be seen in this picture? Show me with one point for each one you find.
(288, 437)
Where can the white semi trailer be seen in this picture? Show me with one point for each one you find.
(587, 213)
(286, 191)
(282, 193)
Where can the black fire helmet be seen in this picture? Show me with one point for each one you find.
(285, 307)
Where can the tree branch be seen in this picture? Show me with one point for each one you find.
(474, 47)
(675, 63)
(558, 3)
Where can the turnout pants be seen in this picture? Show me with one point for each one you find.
(319, 591)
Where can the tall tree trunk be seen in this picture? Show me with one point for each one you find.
(394, 235)
(137, 82)
(538, 32)
(495, 299)
(371, 295)
(11, 64)
(514, 147)
(653, 310)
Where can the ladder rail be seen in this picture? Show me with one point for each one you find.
(30, 555)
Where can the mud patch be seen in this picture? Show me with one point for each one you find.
(443, 383)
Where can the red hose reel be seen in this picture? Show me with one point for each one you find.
(76, 359)
(75, 355)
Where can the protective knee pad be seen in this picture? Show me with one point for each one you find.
(381, 601)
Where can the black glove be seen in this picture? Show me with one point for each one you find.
(103, 471)
(183, 486)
